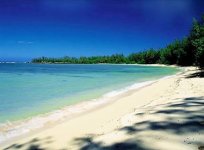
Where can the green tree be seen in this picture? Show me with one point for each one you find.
(197, 41)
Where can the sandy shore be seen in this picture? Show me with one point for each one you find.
(165, 115)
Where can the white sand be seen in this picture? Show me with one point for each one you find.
(167, 115)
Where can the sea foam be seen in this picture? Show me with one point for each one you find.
(16, 129)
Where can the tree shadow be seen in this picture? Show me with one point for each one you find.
(201, 148)
(35, 147)
(89, 144)
(199, 74)
(182, 117)
(33, 144)
(190, 110)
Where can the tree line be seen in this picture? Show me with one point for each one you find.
(186, 52)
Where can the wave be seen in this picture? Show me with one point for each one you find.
(11, 130)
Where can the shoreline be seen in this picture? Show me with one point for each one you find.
(21, 128)
(156, 65)
(104, 122)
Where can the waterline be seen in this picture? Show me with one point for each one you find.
(15, 129)
(35, 95)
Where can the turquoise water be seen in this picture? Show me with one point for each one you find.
(27, 90)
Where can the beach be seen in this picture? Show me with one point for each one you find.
(164, 115)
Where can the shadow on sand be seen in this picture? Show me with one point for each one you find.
(190, 110)
(191, 120)
(199, 74)
(30, 145)
(89, 144)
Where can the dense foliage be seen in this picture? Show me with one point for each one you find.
(115, 59)
(197, 41)
(185, 52)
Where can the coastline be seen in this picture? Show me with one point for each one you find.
(22, 128)
(100, 123)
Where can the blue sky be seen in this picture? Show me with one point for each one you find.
(33, 28)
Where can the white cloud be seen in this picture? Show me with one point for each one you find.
(25, 42)
(30, 42)
(20, 42)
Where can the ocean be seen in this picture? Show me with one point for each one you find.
(29, 90)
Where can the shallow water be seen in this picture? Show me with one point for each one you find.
(28, 90)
